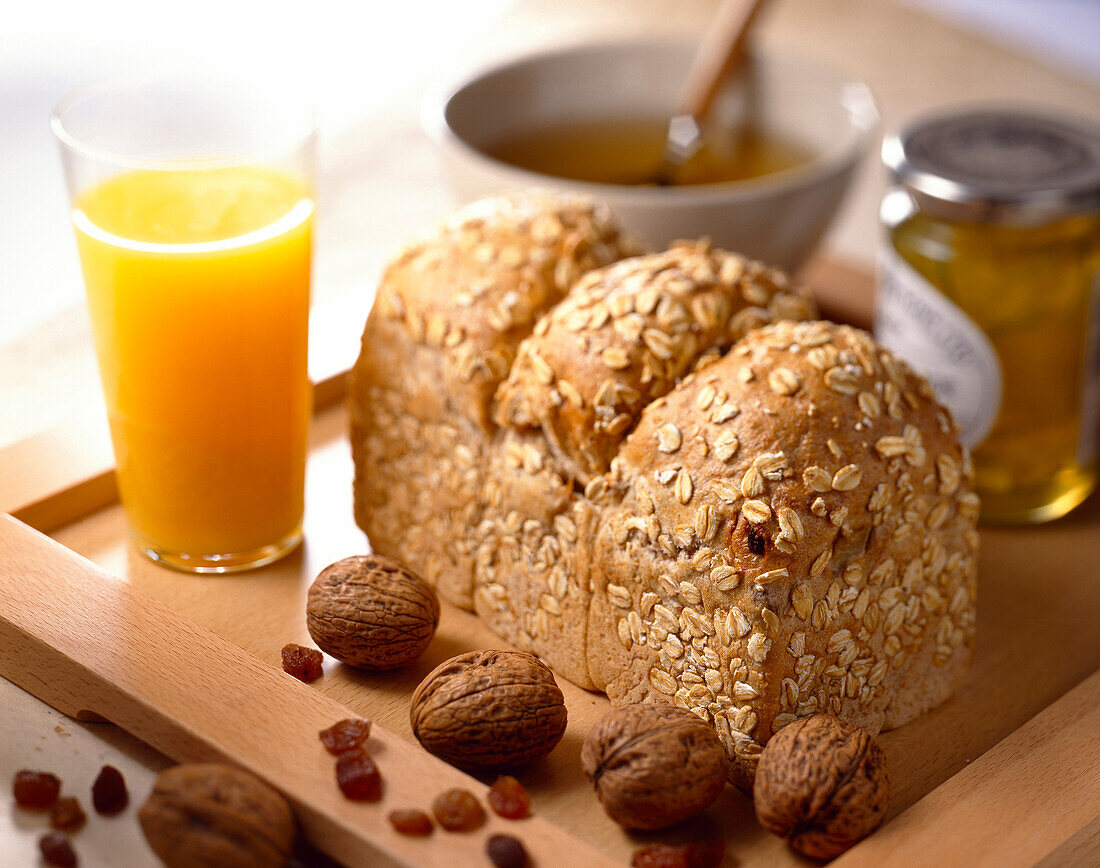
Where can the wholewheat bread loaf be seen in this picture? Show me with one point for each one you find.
(625, 335)
(441, 336)
(651, 474)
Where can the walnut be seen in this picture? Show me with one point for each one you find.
(489, 710)
(654, 765)
(371, 612)
(212, 814)
(822, 784)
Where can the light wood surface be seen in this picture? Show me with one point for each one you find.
(98, 648)
(1053, 759)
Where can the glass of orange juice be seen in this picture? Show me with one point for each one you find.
(193, 209)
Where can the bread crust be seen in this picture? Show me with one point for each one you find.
(442, 334)
(660, 483)
(623, 337)
(824, 563)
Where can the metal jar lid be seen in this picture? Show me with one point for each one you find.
(998, 166)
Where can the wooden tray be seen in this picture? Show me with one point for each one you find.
(1005, 773)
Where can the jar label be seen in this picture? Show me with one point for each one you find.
(920, 324)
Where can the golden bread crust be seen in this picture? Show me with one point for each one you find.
(798, 556)
(625, 335)
(441, 336)
(663, 314)
(659, 482)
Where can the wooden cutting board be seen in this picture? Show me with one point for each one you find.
(1007, 772)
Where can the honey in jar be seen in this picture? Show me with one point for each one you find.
(989, 284)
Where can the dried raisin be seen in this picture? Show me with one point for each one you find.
(35, 790)
(411, 822)
(705, 854)
(67, 815)
(303, 663)
(358, 776)
(506, 852)
(659, 856)
(109, 796)
(458, 811)
(345, 735)
(509, 799)
(57, 850)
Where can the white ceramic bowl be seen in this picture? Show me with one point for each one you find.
(777, 218)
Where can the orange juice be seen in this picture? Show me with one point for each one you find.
(198, 287)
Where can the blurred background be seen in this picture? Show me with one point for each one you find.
(366, 65)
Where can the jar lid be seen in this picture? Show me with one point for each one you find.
(998, 166)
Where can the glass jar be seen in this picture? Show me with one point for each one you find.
(989, 284)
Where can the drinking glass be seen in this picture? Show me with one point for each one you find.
(192, 204)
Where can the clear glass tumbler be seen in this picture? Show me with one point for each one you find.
(193, 206)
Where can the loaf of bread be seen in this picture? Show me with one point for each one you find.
(441, 337)
(658, 474)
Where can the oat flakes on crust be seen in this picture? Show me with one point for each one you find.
(450, 312)
(681, 503)
(623, 337)
(812, 551)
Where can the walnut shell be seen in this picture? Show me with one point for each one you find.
(213, 814)
(654, 765)
(489, 710)
(371, 612)
(822, 784)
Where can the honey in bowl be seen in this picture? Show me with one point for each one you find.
(628, 151)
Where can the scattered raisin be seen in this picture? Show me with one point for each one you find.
(659, 856)
(67, 815)
(458, 811)
(411, 822)
(509, 799)
(35, 790)
(109, 796)
(57, 850)
(345, 735)
(358, 776)
(303, 663)
(506, 852)
(704, 854)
